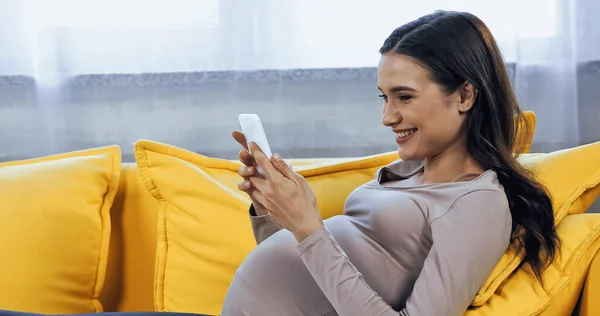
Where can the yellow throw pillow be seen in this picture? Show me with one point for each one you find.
(204, 232)
(572, 179)
(55, 230)
(525, 132)
(522, 295)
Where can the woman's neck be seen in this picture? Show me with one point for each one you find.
(448, 165)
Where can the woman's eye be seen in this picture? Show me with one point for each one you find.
(383, 96)
(404, 97)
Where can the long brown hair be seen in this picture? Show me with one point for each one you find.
(457, 47)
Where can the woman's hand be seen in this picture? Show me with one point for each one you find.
(246, 171)
(286, 195)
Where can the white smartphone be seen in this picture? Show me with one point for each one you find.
(253, 130)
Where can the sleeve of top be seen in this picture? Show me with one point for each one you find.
(468, 241)
(263, 226)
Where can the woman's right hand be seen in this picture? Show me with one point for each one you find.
(246, 171)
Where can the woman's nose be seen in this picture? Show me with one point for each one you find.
(390, 117)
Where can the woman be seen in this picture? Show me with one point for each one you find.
(423, 237)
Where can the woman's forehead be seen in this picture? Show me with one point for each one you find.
(400, 70)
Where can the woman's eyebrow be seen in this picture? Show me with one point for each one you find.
(399, 88)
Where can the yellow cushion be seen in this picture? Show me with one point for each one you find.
(203, 228)
(521, 294)
(55, 230)
(590, 305)
(525, 132)
(219, 211)
(572, 178)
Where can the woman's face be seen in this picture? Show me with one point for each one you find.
(425, 120)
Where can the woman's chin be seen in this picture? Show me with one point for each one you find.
(404, 155)
(407, 154)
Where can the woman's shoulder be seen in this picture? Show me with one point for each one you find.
(482, 197)
(483, 186)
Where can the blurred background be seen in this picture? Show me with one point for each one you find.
(76, 74)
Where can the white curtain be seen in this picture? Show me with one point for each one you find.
(136, 36)
(54, 47)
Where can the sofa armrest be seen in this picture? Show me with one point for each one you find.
(589, 303)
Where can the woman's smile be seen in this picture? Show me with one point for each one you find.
(404, 135)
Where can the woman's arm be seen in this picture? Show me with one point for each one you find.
(468, 241)
(263, 226)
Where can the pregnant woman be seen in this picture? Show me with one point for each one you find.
(424, 235)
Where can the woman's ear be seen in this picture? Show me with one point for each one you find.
(468, 94)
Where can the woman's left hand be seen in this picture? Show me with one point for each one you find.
(286, 195)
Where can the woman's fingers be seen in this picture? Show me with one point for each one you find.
(240, 138)
(245, 186)
(246, 158)
(245, 171)
(245, 155)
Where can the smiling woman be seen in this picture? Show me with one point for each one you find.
(423, 237)
(465, 113)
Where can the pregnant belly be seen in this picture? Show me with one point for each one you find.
(273, 280)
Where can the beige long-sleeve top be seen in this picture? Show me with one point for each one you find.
(401, 248)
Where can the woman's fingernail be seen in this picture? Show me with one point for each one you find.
(277, 157)
(251, 169)
(247, 184)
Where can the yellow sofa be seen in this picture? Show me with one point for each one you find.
(89, 233)
(125, 277)
(129, 284)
